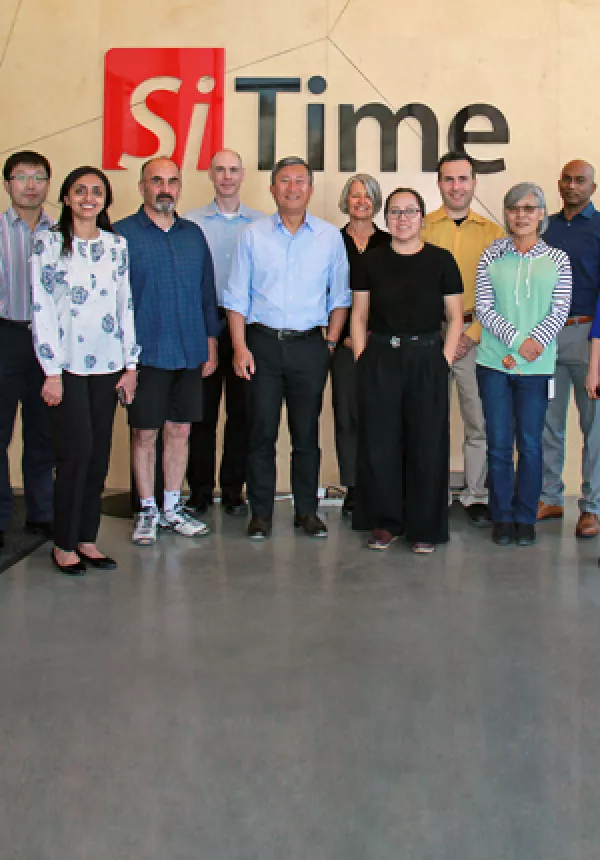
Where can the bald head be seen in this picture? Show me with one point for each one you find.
(227, 174)
(576, 186)
(226, 155)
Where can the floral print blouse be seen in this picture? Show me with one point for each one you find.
(82, 306)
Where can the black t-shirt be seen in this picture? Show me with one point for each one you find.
(406, 291)
(376, 240)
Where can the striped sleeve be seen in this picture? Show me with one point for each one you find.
(546, 330)
(485, 305)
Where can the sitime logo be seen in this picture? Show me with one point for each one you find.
(171, 100)
(183, 91)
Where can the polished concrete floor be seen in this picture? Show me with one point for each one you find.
(303, 700)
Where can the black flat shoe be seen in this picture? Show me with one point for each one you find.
(43, 528)
(502, 533)
(348, 505)
(525, 533)
(235, 506)
(196, 508)
(479, 515)
(104, 563)
(75, 569)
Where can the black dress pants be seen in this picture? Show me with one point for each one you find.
(403, 439)
(82, 427)
(345, 412)
(21, 379)
(203, 435)
(293, 371)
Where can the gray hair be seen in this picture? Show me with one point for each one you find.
(288, 162)
(517, 192)
(371, 186)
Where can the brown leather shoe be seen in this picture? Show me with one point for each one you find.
(588, 525)
(311, 524)
(550, 512)
(259, 528)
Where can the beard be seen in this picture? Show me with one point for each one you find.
(164, 204)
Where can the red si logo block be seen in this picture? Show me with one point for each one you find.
(198, 78)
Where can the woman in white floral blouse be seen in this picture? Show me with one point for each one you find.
(85, 342)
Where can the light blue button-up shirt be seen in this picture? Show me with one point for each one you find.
(222, 233)
(285, 280)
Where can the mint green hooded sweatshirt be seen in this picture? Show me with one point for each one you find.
(519, 296)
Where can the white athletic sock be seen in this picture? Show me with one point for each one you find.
(171, 499)
(148, 503)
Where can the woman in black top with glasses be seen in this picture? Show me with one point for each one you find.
(402, 293)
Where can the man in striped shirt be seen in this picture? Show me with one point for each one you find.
(26, 179)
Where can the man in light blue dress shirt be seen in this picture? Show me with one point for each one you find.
(289, 280)
(222, 222)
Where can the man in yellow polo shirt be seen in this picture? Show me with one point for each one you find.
(466, 235)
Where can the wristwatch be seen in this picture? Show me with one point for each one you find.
(331, 344)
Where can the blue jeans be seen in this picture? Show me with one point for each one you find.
(514, 408)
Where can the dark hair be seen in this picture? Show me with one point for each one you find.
(455, 155)
(64, 225)
(28, 157)
(288, 161)
(412, 191)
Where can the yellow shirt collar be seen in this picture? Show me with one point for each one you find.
(441, 215)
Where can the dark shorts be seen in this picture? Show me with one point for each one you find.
(166, 395)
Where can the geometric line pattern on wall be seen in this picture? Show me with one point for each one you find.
(11, 30)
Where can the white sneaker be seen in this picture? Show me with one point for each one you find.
(179, 521)
(144, 529)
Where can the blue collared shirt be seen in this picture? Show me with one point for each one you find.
(286, 280)
(173, 290)
(580, 239)
(222, 233)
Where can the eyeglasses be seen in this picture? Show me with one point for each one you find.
(528, 209)
(38, 178)
(407, 213)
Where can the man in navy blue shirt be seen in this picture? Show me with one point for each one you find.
(173, 290)
(575, 230)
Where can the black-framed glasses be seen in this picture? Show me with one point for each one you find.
(410, 212)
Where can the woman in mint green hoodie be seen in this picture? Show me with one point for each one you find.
(523, 294)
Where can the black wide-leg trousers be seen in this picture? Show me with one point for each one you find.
(82, 426)
(293, 371)
(403, 438)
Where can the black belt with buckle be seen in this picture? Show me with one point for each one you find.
(286, 333)
(405, 339)
(25, 324)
